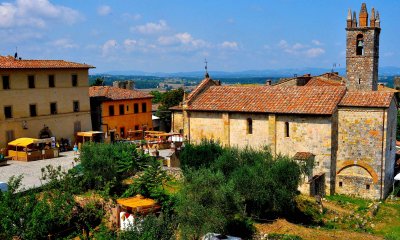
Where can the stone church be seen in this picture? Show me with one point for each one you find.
(345, 125)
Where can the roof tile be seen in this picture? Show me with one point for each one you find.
(115, 93)
(367, 99)
(296, 100)
(9, 62)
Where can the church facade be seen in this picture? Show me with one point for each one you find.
(346, 126)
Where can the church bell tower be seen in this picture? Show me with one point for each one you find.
(362, 50)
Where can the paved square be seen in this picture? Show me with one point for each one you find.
(31, 171)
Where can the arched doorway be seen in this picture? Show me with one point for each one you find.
(45, 132)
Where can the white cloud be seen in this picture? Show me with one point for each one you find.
(104, 10)
(314, 52)
(34, 13)
(108, 46)
(185, 39)
(151, 28)
(130, 44)
(301, 49)
(64, 43)
(298, 46)
(229, 45)
(316, 42)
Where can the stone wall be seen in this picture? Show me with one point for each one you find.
(361, 143)
(239, 135)
(177, 121)
(307, 134)
(390, 155)
(362, 70)
(206, 125)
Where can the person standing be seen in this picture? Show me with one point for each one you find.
(75, 149)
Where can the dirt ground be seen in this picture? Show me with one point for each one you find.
(284, 227)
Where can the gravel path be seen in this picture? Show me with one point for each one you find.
(31, 171)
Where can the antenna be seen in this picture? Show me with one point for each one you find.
(16, 53)
(206, 68)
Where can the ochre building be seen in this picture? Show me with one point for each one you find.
(116, 111)
(43, 98)
(346, 126)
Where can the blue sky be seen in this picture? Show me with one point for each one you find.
(176, 35)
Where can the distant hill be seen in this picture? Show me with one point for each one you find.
(273, 73)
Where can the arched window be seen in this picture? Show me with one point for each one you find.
(360, 45)
(249, 126)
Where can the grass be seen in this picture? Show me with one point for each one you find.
(388, 220)
(358, 204)
(172, 186)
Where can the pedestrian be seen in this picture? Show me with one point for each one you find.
(75, 149)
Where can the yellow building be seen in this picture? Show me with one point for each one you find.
(43, 98)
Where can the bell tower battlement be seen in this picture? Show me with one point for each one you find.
(362, 50)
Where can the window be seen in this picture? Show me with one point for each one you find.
(144, 107)
(8, 112)
(10, 135)
(135, 108)
(122, 132)
(127, 108)
(111, 110)
(367, 186)
(249, 126)
(6, 82)
(359, 80)
(32, 110)
(287, 134)
(74, 78)
(76, 106)
(77, 126)
(53, 108)
(51, 81)
(360, 45)
(31, 81)
(340, 184)
(121, 109)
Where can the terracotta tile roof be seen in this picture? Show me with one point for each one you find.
(176, 108)
(367, 99)
(303, 156)
(297, 100)
(115, 93)
(384, 88)
(203, 84)
(319, 81)
(9, 62)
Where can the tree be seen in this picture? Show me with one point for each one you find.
(204, 203)
(169, 99)
(98, 82)
(157, 96)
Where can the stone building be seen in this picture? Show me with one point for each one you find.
(345, 125)
(116, 111)
(43, 98)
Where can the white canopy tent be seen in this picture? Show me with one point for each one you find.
(396, 178)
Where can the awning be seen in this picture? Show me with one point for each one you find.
(154, 117)
(397, 177)
(23, 142)
(88, 134)
(137, 202)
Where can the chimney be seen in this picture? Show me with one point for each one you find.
(268, 82)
